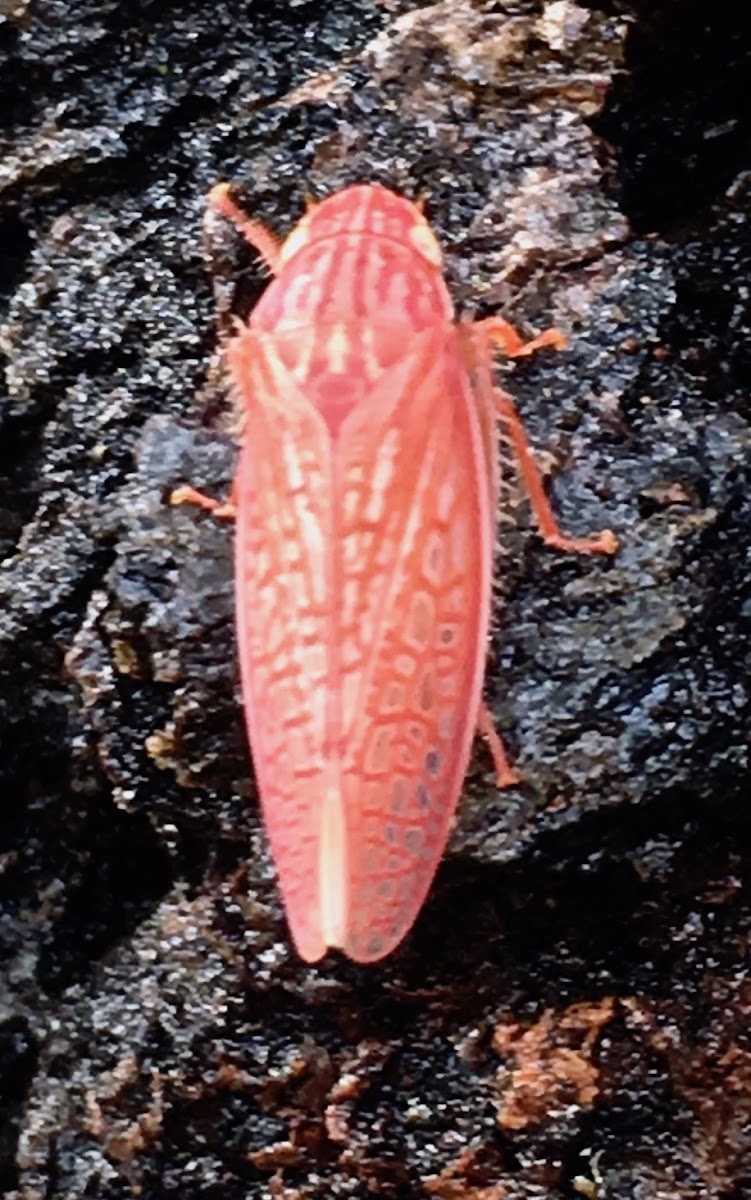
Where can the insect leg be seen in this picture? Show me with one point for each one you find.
(492, 398)
(254, 232)
(505, 775)
(510, 341)
(226, 509)
(604, 543)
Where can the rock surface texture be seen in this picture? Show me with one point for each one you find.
(570, 1015)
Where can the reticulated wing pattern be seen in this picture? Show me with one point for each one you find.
(363, 578)
(414, 534)
(283, 596)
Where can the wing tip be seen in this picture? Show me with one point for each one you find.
(311, 949)
(361, 949)
(373, 946)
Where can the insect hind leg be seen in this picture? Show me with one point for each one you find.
(505, 774)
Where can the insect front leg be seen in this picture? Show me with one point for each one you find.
(260, 238)
(513, 345)
(223, 509)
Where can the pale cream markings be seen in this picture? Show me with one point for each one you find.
(305, 293)
(353, 607)
(357, 551)
(332, 861)
(293, 304)
(309, 529)
(301, 525)
(373, 368)
(282, 669)
(446, 502)
(271, 377)
(445, 633)
(377, 221)
(292, 466)
(383, 753)
(285, 345)
(299, 236)
(382, 476)
(275, 639)
(413, 524)
(354, 549)
(337, 349)
(312, 662)
(259, 568)
(405, 665)
(373, 272)
(350, 691)
(352, 653)
(422, 239)
(366, 214)
(386, 550)
(360, 600)
(334, 283)
(292, 558)
(307, 349)
(346, 297)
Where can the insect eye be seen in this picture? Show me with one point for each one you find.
(425, 244)
(296, 240)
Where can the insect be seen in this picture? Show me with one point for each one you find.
(365, 497)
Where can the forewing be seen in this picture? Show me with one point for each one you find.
(415, 539)
(283, 599)
(362, 578)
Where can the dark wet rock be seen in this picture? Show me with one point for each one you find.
(570, 1014)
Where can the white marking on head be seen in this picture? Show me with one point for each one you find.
(381, 476)
(338, 349)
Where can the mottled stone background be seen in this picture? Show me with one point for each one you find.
(571, 1013)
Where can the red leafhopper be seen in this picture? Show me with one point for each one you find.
(365, 498)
